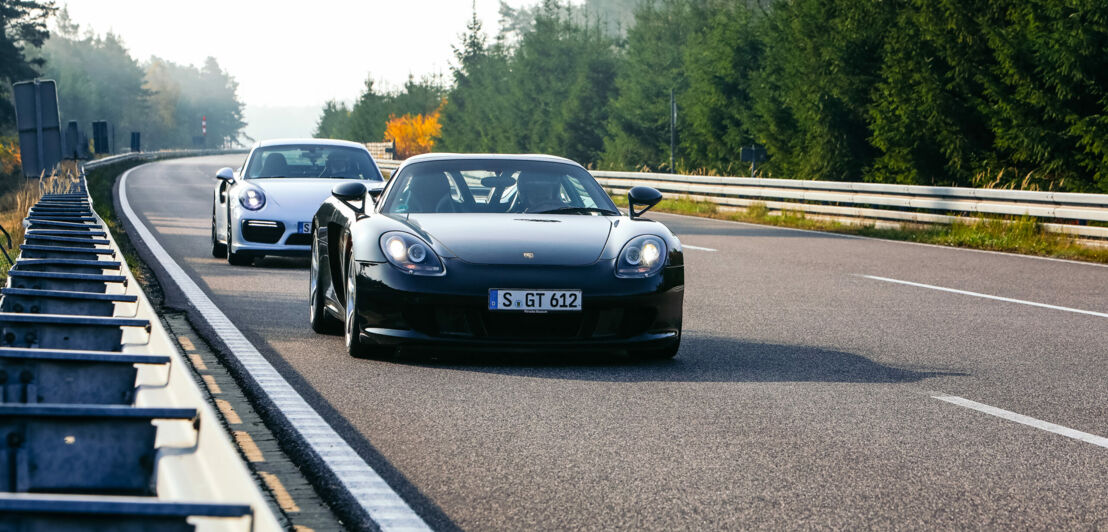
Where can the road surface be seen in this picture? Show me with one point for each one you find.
(814, 389)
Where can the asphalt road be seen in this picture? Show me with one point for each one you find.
(803, 395)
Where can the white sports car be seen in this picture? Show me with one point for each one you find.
(267, 207)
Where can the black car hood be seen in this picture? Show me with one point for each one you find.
(539, 239)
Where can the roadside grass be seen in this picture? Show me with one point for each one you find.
(1014, 235)
(100, 182)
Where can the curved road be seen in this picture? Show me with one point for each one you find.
(805, 395)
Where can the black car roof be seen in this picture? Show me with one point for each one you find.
(489, 156)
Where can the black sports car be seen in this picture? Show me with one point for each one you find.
(512, 252)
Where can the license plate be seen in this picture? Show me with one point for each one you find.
(534, 300)
(305, 227)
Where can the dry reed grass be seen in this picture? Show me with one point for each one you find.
(17, 196)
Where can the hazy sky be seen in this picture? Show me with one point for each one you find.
(299, 53)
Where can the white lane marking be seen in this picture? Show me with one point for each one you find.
(860, 237)
(698, 248)
(987, 296)
(1026, 420)
(383, 505)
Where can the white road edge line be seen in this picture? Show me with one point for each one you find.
(387, 509)
(987, 296)
(1026, 420)
(697, 248)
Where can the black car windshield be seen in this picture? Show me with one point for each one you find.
(496, 186)
(312, 160)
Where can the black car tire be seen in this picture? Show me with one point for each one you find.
(353, 323)
(321, 321)
(236, 259)
(660, 353)
(240, 258)
(219, 250)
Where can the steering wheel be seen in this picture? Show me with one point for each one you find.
(546, 205)
(446, 204)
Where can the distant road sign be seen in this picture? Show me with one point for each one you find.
(84, 151)
(752, 154)
(101, 139)
(40, 133)
(73, 141)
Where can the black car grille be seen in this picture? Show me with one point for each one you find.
(262, 231)
(299, 239)
(483, 323)
(536, 326)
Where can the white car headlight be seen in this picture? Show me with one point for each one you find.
(252, 199)
(643, 256)
(410, 254)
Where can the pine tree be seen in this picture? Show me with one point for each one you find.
(368, 116)
(332, 121)
(22, 25)
(721, 64)
(652, 67)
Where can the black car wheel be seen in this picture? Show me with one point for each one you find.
(322, 322)
(354, 345)
(219, 250)
(233, 258)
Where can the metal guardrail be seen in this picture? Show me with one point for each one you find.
(902, 203)
(381, 150)
(387, 164)
(151, 155)
(99, 433)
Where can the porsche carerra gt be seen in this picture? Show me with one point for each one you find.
(512, 252)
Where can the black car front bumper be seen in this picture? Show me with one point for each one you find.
(452, 311)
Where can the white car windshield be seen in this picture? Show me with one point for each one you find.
(308, 160)
(497, 186)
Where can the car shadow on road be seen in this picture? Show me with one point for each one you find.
(701, 359)
(745, 231)
(283, 263)
(710, 227)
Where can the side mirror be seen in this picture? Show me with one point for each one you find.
(642, 196)
(349, 192)
(375, 189)
(225, 174)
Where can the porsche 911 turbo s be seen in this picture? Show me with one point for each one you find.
(503, 252)
(267, 208)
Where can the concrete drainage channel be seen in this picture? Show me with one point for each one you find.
(103, 426)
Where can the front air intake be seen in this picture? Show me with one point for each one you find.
(262, 231)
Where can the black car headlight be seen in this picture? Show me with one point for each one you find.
(252, 199)
(410, 254)
(643, 256)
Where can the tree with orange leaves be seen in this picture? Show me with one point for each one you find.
(413, 134)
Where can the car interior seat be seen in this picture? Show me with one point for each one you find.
(275, 165)
(430, 192)
(536, 192)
